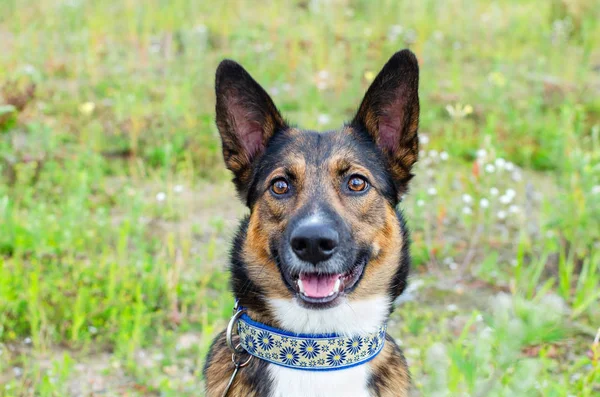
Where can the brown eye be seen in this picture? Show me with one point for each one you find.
(357, 184)
(280, 186)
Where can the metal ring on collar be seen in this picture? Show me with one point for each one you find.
(241, 364)
(229, 336)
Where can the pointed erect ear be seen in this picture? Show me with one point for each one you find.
(390, 114)
(246, 118)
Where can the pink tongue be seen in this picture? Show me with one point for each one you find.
(318, 286)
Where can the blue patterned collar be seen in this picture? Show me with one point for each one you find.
(318, 352)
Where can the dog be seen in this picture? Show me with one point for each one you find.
(318, 263)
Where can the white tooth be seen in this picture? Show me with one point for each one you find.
(300, 286)
(336, 287)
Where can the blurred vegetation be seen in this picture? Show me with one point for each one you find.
(116, 211)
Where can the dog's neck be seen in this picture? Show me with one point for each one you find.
(349, 318)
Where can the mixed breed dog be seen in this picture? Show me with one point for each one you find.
(316, 266)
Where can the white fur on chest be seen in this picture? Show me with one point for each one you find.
(348, 318)
(350, 382)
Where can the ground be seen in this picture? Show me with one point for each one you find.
(116, 212)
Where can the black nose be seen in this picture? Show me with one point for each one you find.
(314, 243)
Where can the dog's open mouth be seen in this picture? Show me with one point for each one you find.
(322, 288)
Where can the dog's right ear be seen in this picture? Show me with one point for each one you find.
(246, 118)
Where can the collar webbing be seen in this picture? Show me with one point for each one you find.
(318, 352)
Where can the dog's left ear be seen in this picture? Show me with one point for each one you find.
(389, 113)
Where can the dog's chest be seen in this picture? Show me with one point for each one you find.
(350, 382)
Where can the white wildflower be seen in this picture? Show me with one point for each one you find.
(323, 119)
(500, 163)
(444, 156)
(178, 188)
(505, 199)
(433, 153)
(467, 210)
(432, 191)
(596, 189)
(467, 199)
(452, 307)
(394, 32)
(516, 176)
(481, 153)
(420, 203)
(501, 215)
(27, 341)
(509, 166)
(484, 203)
(513, 209)
(494, 191)
(510, 193)
(489, 168)
(161, 196)
(423, 139)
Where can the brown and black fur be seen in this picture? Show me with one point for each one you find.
(380, 143)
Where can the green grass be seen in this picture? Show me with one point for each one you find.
(116, 211)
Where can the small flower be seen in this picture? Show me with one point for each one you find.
(87, 108)
(494, 191)
(27, 341)
(501, 215)
(309, 348)
(354, 344)
(467, 199)
(467, 210)
(444, 156)
(323, 119)
(373, 345)
(596, 189)
(452, 308)
(509, 166)
(432, 191)
(433, 154)
(458, 111)
(500, 163)
(513, 209)
(484, 203)
(516, 176)
(489, 168)
(394, 32)
(161, 196)
(178, 188)
(250, 344)
(265, 340)
(481, 153)
(274, 91)
(423, 139)
(288, 356)
(322, 80)
(510, 193)
(505, 199)
(420, 203)
(92, 330)
(336, 357)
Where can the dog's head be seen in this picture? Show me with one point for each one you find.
(323, 229)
